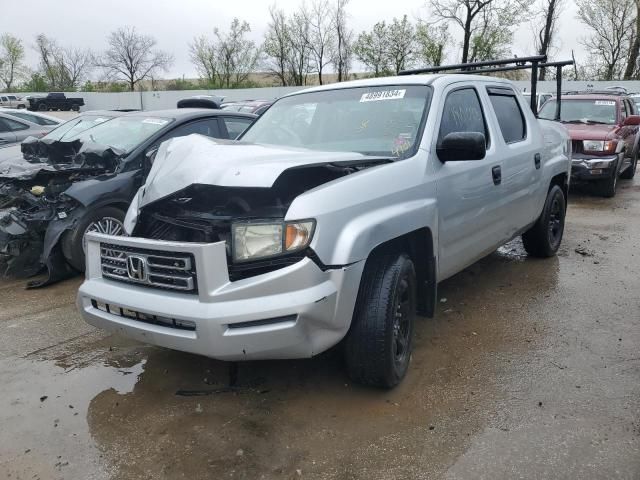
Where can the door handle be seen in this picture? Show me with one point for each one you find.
(536, 160)
(496, 172)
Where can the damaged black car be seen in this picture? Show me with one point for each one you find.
(65, 185)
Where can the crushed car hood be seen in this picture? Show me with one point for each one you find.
(196, 159)
(33, 156)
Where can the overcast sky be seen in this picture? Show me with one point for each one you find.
(175, 23)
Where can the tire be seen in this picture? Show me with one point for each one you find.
(73, 240)
(20, 107)
(607, 188)
(630, 172)
(378, 345)
(42, 107)
(75, 108)
(544, 238)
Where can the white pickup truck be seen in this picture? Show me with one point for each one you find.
(13, 101)
(332, 220)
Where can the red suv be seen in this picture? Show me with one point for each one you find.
(604, 131)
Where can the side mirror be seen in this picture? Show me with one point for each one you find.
(459, 146)
(631, 121)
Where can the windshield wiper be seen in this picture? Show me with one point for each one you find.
(597, 122)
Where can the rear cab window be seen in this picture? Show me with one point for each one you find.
(511, 120)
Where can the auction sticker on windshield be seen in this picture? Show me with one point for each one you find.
(605, 102)
(382, 95)
(155, 121)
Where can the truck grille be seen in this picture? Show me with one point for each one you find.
(154, 268)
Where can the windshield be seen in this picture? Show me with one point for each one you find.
(381, 120)
(74, 127)
(581, 111)
(123, 133)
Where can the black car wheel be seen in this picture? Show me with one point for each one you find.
(607, 187)
(544, 238)
(108, 220)
(42, 107)
(378, 345)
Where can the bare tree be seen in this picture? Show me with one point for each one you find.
(63, 68)
(634, 49)
(133, 57)
(492, 39)
(344, 41)
(472, 16)
(277, 46)
(431, 44)
(300, 61)
(372, 49)
(401, 42)
(321, 34)
(11, 58)
(237, 56)
(547, 14)
(611, 24)
(203, 54)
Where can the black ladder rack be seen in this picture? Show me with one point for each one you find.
(507, 65)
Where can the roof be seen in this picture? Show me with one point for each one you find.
(186, 113)
(424, 79)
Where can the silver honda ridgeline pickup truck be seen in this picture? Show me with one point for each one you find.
(332, 219)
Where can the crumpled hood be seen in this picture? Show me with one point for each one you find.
(196, 159)
(579, 131)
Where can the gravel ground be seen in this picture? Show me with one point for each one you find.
(530, 369)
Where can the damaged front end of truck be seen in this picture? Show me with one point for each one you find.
(35, 206)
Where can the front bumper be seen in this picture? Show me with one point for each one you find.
(587, 168)
(295, 312)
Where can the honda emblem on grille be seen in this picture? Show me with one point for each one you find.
(137, 268)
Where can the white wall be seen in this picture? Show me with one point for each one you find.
(168, 99)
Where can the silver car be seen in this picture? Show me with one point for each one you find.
(16, 125)
(333, 219)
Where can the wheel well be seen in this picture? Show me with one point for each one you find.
(562, 181)
(419, 246)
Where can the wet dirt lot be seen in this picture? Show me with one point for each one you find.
(530, 369)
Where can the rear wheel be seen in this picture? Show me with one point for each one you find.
(378, 345)
(75, 108)
(108, 220)
(544, 238)
(42, 107)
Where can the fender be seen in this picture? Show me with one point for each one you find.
(106, 189)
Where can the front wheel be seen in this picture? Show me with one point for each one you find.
(378, 345)
(108, 220)
(544, 238)
(42, 107)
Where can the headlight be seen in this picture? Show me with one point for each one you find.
(251, 241)
(598, 146)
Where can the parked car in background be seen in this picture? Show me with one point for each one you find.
(257, 107)
(604, 130)
(636, 99)
(201, 101)
(334, 218)
(55, 101)
(13, 101)
(67, 184)
(542, 97)
(13, 129)
(33, 117)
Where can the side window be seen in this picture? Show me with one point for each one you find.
(509, 114)
(4, 99)
(462, 113)
(624, 111)
(207, 127)
(14, 126)
(235, 126)
(11, 97)
(4, 128)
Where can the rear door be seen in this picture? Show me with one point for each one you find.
(628, 133)
(521, 156)
(470, 223)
